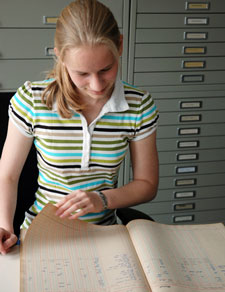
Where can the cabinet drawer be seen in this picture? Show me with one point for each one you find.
(175, 6)
(179, 35)
(180, 20)
(26, 43)
(212, 216)
(193, 156)
(191, 144)
(191, 168)
(193, 131)
(187, 105)
(22, 70)
(178, 207)
(204, 117)
(191, 181)
(177, 64)
(178, 78)
(190, 193)
(19, 13)
(179, 50)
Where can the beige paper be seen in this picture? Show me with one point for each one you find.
(71, 255)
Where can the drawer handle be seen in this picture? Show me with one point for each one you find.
(190, 104)
(189, 131)
(186, 206)
(187, 157)
(182, 195)
(196, 20)
(193, 64)
(195, 35)
(185, 218)
(188, 144)
(186, 169)
(192, 78)
(190, 118)
(197, 6)
(50, 19)
(194, 50)
(49, 51)
(185, 182)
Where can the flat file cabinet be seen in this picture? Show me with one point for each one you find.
(177, 54)
(27, 30)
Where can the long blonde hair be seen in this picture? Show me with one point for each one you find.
(82, 22)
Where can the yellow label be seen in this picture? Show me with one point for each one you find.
(51, 20)
(198, 6)
(190, 50)
(194, 64)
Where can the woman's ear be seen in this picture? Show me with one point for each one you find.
(121, 45)
(56, 52)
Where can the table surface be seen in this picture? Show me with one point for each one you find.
(10, 271)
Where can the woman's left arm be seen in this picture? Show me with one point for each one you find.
(143, 187)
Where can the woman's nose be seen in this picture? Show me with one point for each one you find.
(96, 83)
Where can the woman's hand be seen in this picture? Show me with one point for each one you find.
(80, 202)
(7, 240)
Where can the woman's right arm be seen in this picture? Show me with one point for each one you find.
(14, 154)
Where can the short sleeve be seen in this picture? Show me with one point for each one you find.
(147, 118)
(21, 109)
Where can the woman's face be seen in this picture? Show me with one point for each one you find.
(93, 70)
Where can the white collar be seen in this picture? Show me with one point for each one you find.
(116, 103)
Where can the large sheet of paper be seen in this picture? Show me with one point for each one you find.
(71, 255)
(181, 258)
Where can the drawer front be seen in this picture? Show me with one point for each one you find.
(181, 20)
(195, 117)
(180, 35)
(190, 193)
(193, 157)
(178, 64)
(179, 78)
(178, 207)
(19, 13)
(191, 168)
(175, 6)
(179, 50)
(32, 69)
(190, 181)
(30, 43)
(187, 105)
(191, 217)
(193, 131)
(193, 144)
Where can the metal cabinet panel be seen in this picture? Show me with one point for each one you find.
(179, 50)
(31, 13)
(178, 64)
(195, 35)
(191, 144)
(175, 6)
(179, 207)
(190, 193)
(181, 20)
(192, 156)
(190, 105)
(26, 43)
(7, 68)
(194, 131)
(178, 78)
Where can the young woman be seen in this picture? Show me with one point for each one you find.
(82, 120)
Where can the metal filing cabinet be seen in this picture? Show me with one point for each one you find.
(177, 52)
(27, 38)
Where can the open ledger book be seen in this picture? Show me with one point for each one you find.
(71, 255)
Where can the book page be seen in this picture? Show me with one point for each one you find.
(187, 258)
(71, 255)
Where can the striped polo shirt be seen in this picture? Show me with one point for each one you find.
(73, 155)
